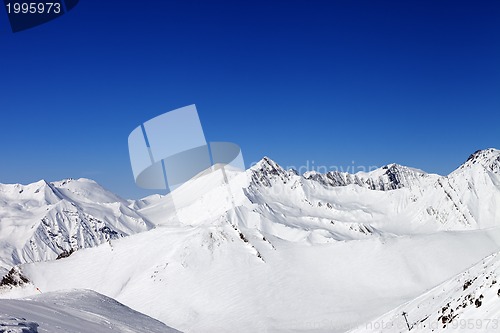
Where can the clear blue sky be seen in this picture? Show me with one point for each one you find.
(374, 82)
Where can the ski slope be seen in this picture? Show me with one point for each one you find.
(469, 301)
(275, 251)
(76, 311)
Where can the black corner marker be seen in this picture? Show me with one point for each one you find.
(26, 14)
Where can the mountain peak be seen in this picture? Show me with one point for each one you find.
(38, 191)
(488, 158)
(268, 166)
(266, 169)
(75, 181)
(266, 163)
(41, 220)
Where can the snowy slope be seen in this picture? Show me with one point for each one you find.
(389, 177)
(40, 221)
(211, 278)
(82, 311)
(394, 199)
(279, 252)
(474, 189)
(470, 301)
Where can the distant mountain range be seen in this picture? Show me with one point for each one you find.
(270, 250)
(43, 220)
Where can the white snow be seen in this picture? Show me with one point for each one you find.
(468, 302)
(82, 311)
(41, 220)
(279, 252)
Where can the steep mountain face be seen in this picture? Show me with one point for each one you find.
(339, 206)
(389, 177)
(41, 221)
(394, 198)
(466, 199)
(469, 301)
(271, 250)
(488, 159)
(473, 190)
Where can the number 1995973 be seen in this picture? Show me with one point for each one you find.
(33, 7)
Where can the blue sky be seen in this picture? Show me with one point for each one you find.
(374, 82)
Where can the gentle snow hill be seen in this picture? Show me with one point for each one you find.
(82, 311)
(468, 302)
(40, 221)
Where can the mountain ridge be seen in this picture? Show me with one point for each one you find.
(39, 221)
(78, 200)
(262, 250)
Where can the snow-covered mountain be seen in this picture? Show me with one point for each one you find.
(468, 302)
(212, 278)
(389, 177)
(275, 251)
(41, 221)
(393, 199)
(82, 311)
